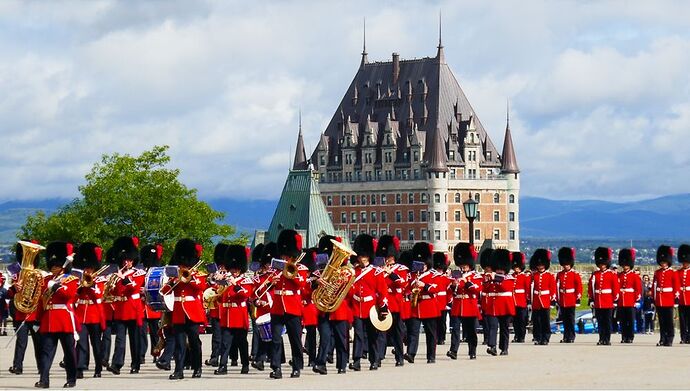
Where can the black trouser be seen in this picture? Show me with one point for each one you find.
(169, 348)
(684, 319)
(395, 334)
(49, 343)
(183, 333)
(216, 337)
(496, 323)
(541, 325)
(520, 324)
(666, 332)
(130, 327)
(603, 316)
(485, 328)
(310, 344)
(150, 327)
(293, 324)
(429, 331)
(22, 335)
(639, 320)
(256, 341)
(626, 316)
(92, 332)
(325, 339)
(365, 329)
(469, 329)
(568, 319)
(649, 322)
(441, 327)
(106, 340)
(231, 337)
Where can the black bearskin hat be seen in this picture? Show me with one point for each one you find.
(325, 245)
(19, 253)
(423, 251)
(684, 253)
(664, 254)
(269, 252)
(57, 253)
(309, 259)
(365, 246)
(440, 260)
(464, 254)
(151, 255)
(603, 256)
(256, 252)
(501, 259)
(110, 256)
(236, 256)
(566, 256)
(187, 253)
(88, 255)
(126, 248)
(485, 258)
(389, 246)
(518, 260)
(219, 253)
(626, 257)
(406, 258)
(542, 257)
(289, 243)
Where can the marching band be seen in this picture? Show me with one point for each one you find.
(376, 291)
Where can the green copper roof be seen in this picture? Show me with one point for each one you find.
(301, 208)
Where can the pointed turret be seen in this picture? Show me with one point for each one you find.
(509, 162)
(365, 59)
(300, 162)
(438, 160)
(439, 54)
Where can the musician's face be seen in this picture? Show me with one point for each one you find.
(686, 265)
(602, 266)
(567, 267)
(235, 272)
(364, 261)
(626, 268)
(541, 268)
(390, 261)
(664, 265)
(128, 263)
(517, 270)
(55, 269)
(465, 268)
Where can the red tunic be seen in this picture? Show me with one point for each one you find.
(89, 309)
(127, 293)
(523, 283)
(396, 282)
(57, 314)
(603, 288)
(287, 293)
(233, 305)
(426, 305)
(630, 288)
(499, 296)
(466, 296)
(569, 288)
(369, 289)
(442, 297)
(309, 311)
(189, 301)
(684, 286)
(262, 304)
(666, 287)
(543, 290)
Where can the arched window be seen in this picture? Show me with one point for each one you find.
(476, 197)
(458, 198)
(437, 198)
(497, 198)
(511, 198)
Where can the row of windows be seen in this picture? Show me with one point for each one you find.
(411, 234)
(375, 217)
(408, 198)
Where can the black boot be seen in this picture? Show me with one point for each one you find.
(176, 376)
(276, 374)
(222, 370)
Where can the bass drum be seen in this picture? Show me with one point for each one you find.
(156, 278)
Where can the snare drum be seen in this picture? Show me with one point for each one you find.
(263, 325)
(156, 278)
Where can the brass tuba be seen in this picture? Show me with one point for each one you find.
(30, 278)
(337, 279)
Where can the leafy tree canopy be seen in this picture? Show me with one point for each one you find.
(133, 196)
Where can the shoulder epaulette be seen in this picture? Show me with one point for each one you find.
(377, 271)
(139, 272)
(69, 279)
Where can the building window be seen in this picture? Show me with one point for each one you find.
(353, 235)
(398, 216)
(384, 199)
(416, 156)
(343, 218)
(398, 234)
(424, 198)
(497, 234)
(364, 216)
(416, 174)
(458, 234)
(383, 217)
(373, 217)
(437, 216)
(511, 199)
(410, 198)
(329, 201)
(477, 197)
(343, 200)
(497, 198)
(353, 217)
(437, 234)
(479, 216)
(512, 234)
(330, 216)
(410, 234)
(458, 216)
(425, 234)
(363, 199)
(373, 199)
(410, 216)
(458, 198)
(511, 216)
(451, 155)
(497, 215)
(353, 199)
(477, 234)
(423, 215)
(437, 198)
(373, 233)
(398, 198)
(384, 232)
(452, 173)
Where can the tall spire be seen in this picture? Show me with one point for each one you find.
(365, 60)
(436, 155)
(509, 164)
(440, 55)
(300, 162)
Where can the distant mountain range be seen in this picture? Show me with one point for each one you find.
(660, 218)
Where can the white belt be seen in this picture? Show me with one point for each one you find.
(569, 290)
(57, 307)
(599, 291)
(519, 291)
(284, 292)
(363, 299)
(86, 301)
(124, 298)
(425, 297)
(546, 292)
(185, 298)
(630, 290)
(442, 293)
(462, 296)
(397, 290)
(499, 294)
(664, 289)
(685, 288)
(234, 305)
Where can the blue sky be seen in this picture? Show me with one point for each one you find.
(599, 91)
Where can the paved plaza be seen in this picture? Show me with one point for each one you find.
(581, 365)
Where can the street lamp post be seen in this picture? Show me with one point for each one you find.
(470, 206)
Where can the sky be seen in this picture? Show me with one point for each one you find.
(598, 90)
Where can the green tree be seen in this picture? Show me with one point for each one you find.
(138, 196)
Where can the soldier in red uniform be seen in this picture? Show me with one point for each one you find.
(286, 310)
(603, 292)
(396, 281)
(368, 290)
(465, 309)
(213, 313)
(150, 256)
(684, 293)
(56, 314)
(89, 311)
(108, 312)
(521, 294)
(442, 297)
(543, 295)
(309, 311)
(24, 324)
(426, 311)
(569, 285)
(188, 312)
(630, 294)
(485, 263)
(666, 290)
(261, 298)
(500, 302)
(234, 318)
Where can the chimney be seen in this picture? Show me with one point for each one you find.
(396, 68)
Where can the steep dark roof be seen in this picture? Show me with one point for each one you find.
(437, 154)
(300, 156)
(509, 165)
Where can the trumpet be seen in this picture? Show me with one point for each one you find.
(87, 279)
(185, 276)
